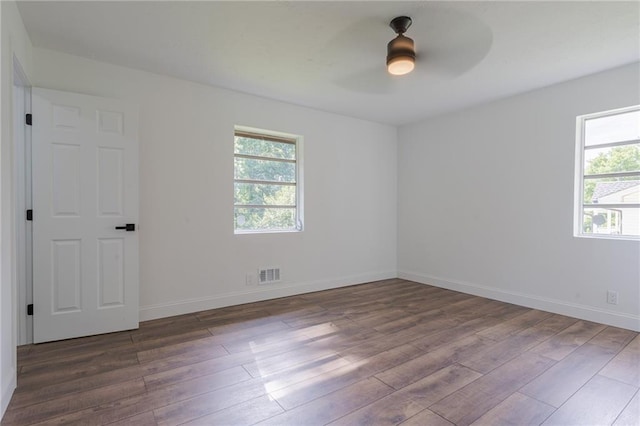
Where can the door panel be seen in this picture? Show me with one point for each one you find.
(65, 178)
(110, 182)
(85, 184)
(111, 272)
(65, 277)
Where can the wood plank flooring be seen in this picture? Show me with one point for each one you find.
(383, 353)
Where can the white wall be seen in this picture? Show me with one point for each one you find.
(486, 203)
(13, 41)
(190, 257)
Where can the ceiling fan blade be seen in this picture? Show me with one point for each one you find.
(450, 42)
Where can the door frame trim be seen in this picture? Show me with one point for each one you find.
(21, 103)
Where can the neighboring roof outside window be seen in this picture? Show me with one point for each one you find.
(604, 189)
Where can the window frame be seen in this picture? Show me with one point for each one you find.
(281, 137)
(580, 176)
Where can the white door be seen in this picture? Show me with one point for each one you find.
(85, 187)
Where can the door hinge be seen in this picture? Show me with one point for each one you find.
(30, 309)
(29, 119)
(29, 214)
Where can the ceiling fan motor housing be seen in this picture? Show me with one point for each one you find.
(400, 47)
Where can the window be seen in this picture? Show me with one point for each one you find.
(608, 174)
(267, 181)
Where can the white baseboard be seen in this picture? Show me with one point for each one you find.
(7, 390)
(589, 313)
(180, 307)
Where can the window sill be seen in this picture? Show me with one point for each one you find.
(268, 231)
(609, 237)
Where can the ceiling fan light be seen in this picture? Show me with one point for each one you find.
(401, 66)
(401, 55)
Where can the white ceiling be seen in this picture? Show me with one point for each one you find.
(331, 55)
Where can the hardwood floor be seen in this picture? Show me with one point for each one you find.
(388, 352)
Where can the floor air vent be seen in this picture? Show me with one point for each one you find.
(268, 275)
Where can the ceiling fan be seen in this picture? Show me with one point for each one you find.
(401, 54)
(450, 42)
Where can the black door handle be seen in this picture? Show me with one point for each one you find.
(128, 227)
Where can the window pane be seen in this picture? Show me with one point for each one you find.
(612, 191)
(613, 128)
(261, 194)
(622, 221)
(624, 158)
(265, 184)
(264, 148)
(260, 219)
(275, 171)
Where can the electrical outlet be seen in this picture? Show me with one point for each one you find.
(250, 279)
(612, 297)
